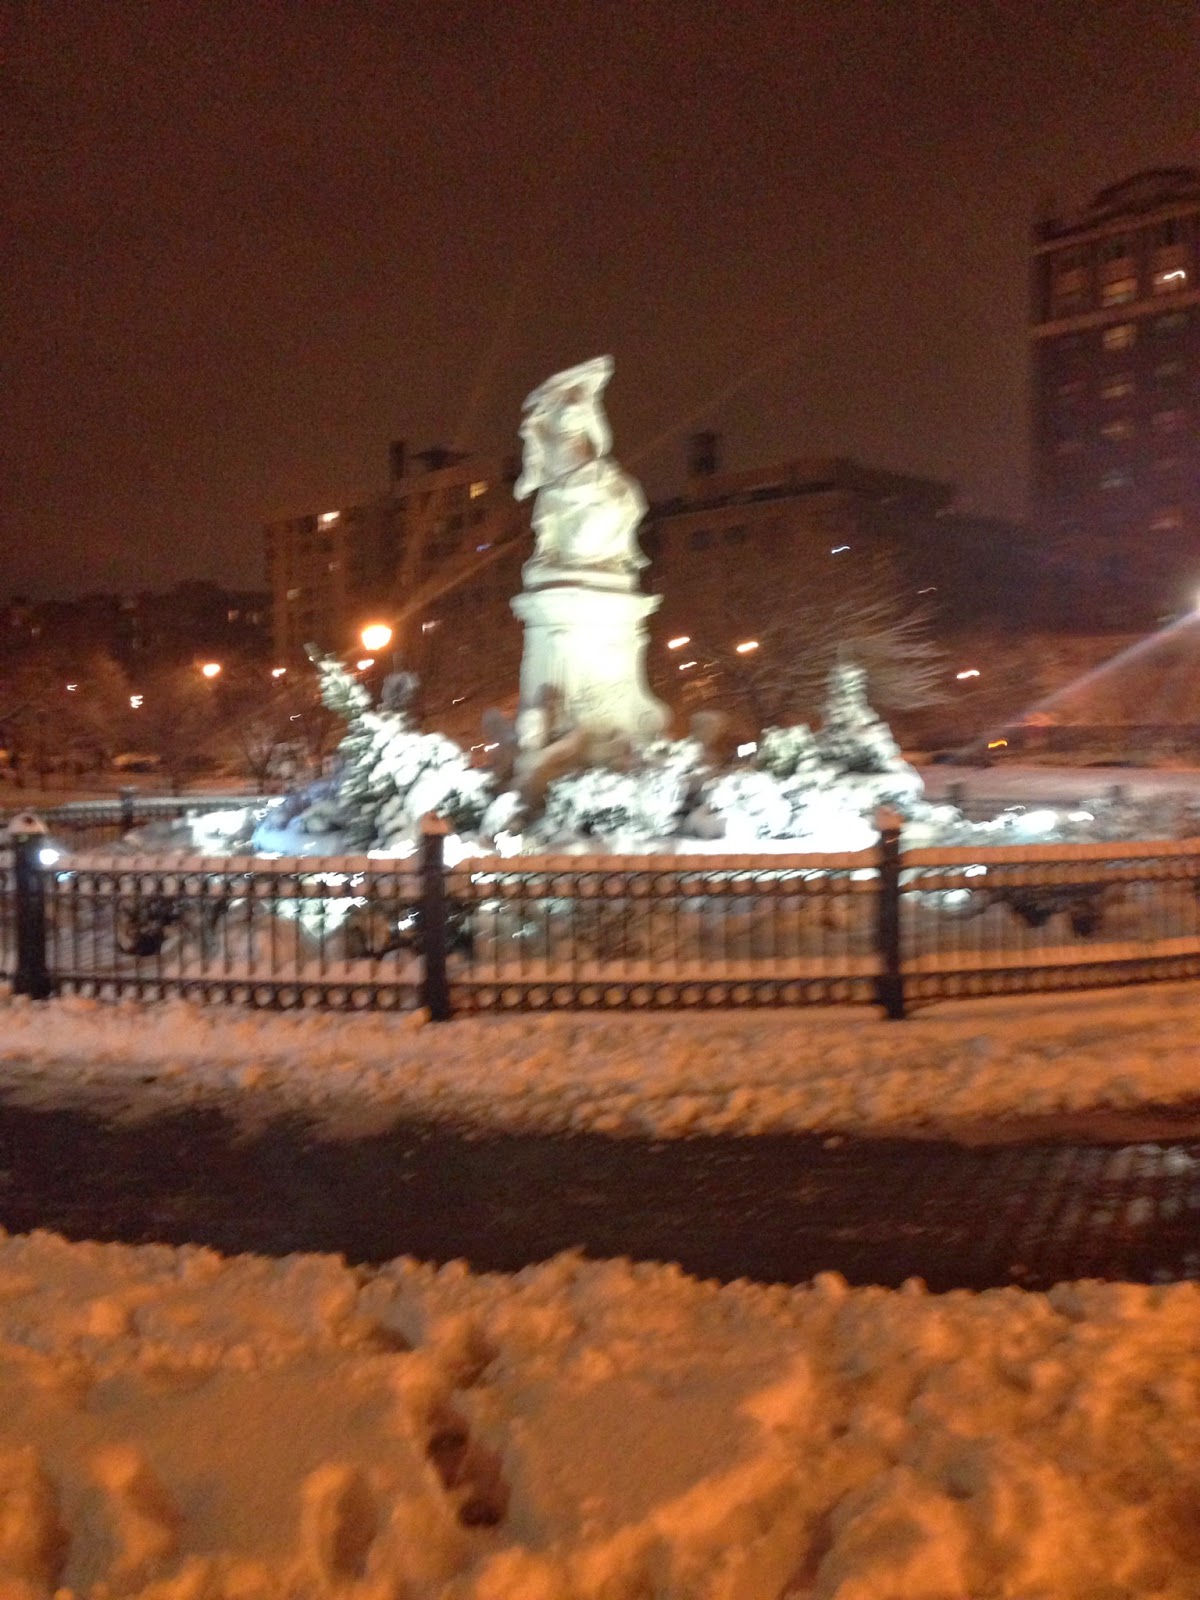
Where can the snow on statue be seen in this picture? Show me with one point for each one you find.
(582, 610)
(587, 509)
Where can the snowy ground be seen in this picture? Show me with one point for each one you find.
(178, 1427)
(1019, 783)
(662, 1075)
(174, 1426)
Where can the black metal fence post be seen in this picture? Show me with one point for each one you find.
(889, 981)
(435, 980)
(127, 809)
(27, 835)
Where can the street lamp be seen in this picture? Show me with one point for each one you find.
(375, 636)
(210, 669)
(746, 646)
(679, 642)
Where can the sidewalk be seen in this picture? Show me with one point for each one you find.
(776, 1208)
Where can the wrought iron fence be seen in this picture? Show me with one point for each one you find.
(896, 928)
(1055, 916)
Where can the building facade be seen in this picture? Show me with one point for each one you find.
(332, 571)
(816, 515)
(1115, 330)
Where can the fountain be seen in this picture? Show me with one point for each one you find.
(586, 763)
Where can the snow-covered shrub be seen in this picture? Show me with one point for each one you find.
(787, 752)
(750, 803)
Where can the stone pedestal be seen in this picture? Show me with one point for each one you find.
(586, 642)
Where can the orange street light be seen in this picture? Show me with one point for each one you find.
(746, 646)
(211, 669)
(375, 636)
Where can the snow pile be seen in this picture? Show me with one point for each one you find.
(174, 1426)
(621, 1074)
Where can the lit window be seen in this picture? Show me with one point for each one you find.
(1170, 281)
(293, 594)
(327, 517)
(1115, 480)
(1117, 428)
(1119, 337)
(1070, 288)
(1116, 388)
(1118, 290)
(1169, 421)
(1167, 520)
(478, 488)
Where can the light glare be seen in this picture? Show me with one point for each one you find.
(376, 636)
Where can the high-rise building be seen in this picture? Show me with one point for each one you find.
(331, 571)
(1115, 332)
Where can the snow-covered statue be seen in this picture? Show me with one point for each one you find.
(583, 666)
(587, 510)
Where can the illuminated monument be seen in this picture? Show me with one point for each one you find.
(583, 665)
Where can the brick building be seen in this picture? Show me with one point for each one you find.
(1115, 331)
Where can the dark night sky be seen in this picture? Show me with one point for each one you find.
(247, 244)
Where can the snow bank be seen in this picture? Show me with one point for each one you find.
(175, 1426)
(623, 1074)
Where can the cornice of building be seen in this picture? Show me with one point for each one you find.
(1138, 201)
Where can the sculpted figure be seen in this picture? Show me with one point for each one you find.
(587, 510)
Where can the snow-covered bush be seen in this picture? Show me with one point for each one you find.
(787, 752)
(750, 804)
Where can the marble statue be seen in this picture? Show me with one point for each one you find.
(583, 665)
(587, 509)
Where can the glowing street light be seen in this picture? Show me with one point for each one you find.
(71, 688)
(970, 672)
(367, 661)
(278, 672)
(678, 643)
(210, 670)
(376, 636)
(135, 700)
(746, 646)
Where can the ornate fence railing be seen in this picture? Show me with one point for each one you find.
(897, 928)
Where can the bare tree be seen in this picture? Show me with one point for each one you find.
(178, 719)
(764, 641)
(275, 728)
(55, 713)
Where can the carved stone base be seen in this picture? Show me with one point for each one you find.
(588, 647)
